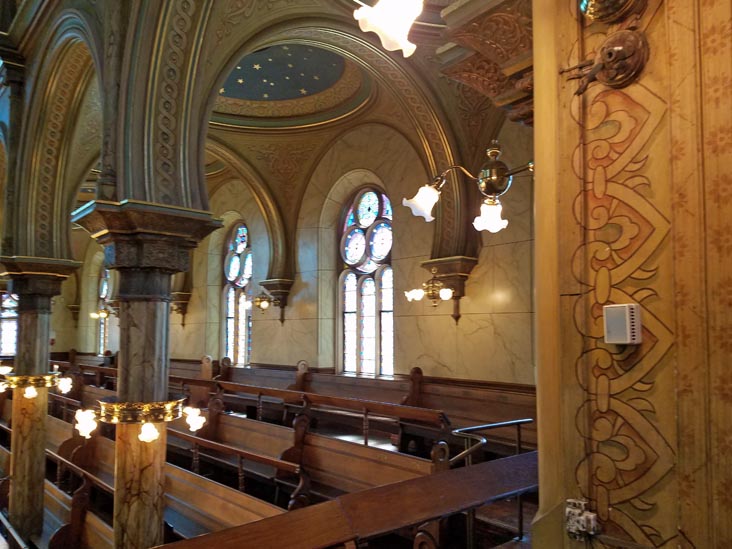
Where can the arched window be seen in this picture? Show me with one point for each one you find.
(8, 324)
(367, 285)
(102, 313)
(237, 305)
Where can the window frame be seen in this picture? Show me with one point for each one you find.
(239, 292)
(361, 277)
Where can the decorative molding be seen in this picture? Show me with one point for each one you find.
(166, 135)
(495, 54)
(60, 98)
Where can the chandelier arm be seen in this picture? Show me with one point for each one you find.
(529, 166)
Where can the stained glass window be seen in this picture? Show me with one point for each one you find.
(8, 324)
(103, 296)
(237, 270)
(367, 285)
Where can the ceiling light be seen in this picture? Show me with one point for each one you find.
(391, 21)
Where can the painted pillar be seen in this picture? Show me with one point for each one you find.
(146, 243)
(28, 440)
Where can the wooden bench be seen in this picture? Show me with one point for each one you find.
(358, 517)
(333, 466)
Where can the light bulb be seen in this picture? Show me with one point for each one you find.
(85, 422)
(391, 21)
(94, 315)
(264, 305)
(414, 295)
(30, 392)
(148, 433)
(445, 294)
(195, 422)
(3, 386)
(103, 314)
(5, 370)
(490, 217)
(64, 384)
(423, 202)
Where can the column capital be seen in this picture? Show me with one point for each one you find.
(142, 235)
(40, 276)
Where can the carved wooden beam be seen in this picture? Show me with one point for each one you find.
(490, 50)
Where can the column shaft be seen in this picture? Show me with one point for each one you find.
(139, 492)
(28, 440)
(28, 462)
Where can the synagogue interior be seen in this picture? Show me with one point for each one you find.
(366, 274)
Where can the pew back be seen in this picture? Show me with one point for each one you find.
(351, 467)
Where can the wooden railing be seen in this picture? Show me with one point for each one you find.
(360, 516)
(368, 409)
(242, 455)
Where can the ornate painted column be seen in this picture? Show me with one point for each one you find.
(35, 282)
(147, 244)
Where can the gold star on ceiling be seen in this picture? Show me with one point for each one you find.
(303, 91)
(266, 95)
(241, 81)
(221, 91)
(316, 77)
(257, 67)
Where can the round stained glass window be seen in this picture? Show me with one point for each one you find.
(238, 261)
(354, 246)
(367, 208)
(380, 240)
(239, 243)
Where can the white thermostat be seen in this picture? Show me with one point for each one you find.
(622, 324)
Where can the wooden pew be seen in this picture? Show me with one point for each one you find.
(358, 517)
(333, 466)
(194, 505)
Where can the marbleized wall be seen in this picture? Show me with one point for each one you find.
(497, 310)
(638, 175)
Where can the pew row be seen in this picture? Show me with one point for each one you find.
(194, 505)
(358, 517)
(333, 466)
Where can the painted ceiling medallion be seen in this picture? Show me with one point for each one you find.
(610, 11)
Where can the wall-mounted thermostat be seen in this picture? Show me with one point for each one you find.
(623, 324)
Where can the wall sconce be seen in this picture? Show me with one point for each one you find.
(391, 21)
(264, 301)
(103, 312)
(493, 180)
(436, 291)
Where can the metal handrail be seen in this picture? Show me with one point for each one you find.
(467, 433)
(480, 441)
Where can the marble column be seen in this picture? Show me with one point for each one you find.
(28, 440)
(146, 243)
(142, 377)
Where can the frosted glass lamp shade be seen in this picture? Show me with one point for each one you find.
(85, 422)
(445, 294)
(148, 433)
(391, 21)
(414, 295)
(490, 217)
(423, 202)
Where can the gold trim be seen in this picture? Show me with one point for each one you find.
(140, 412)
(41, 380)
